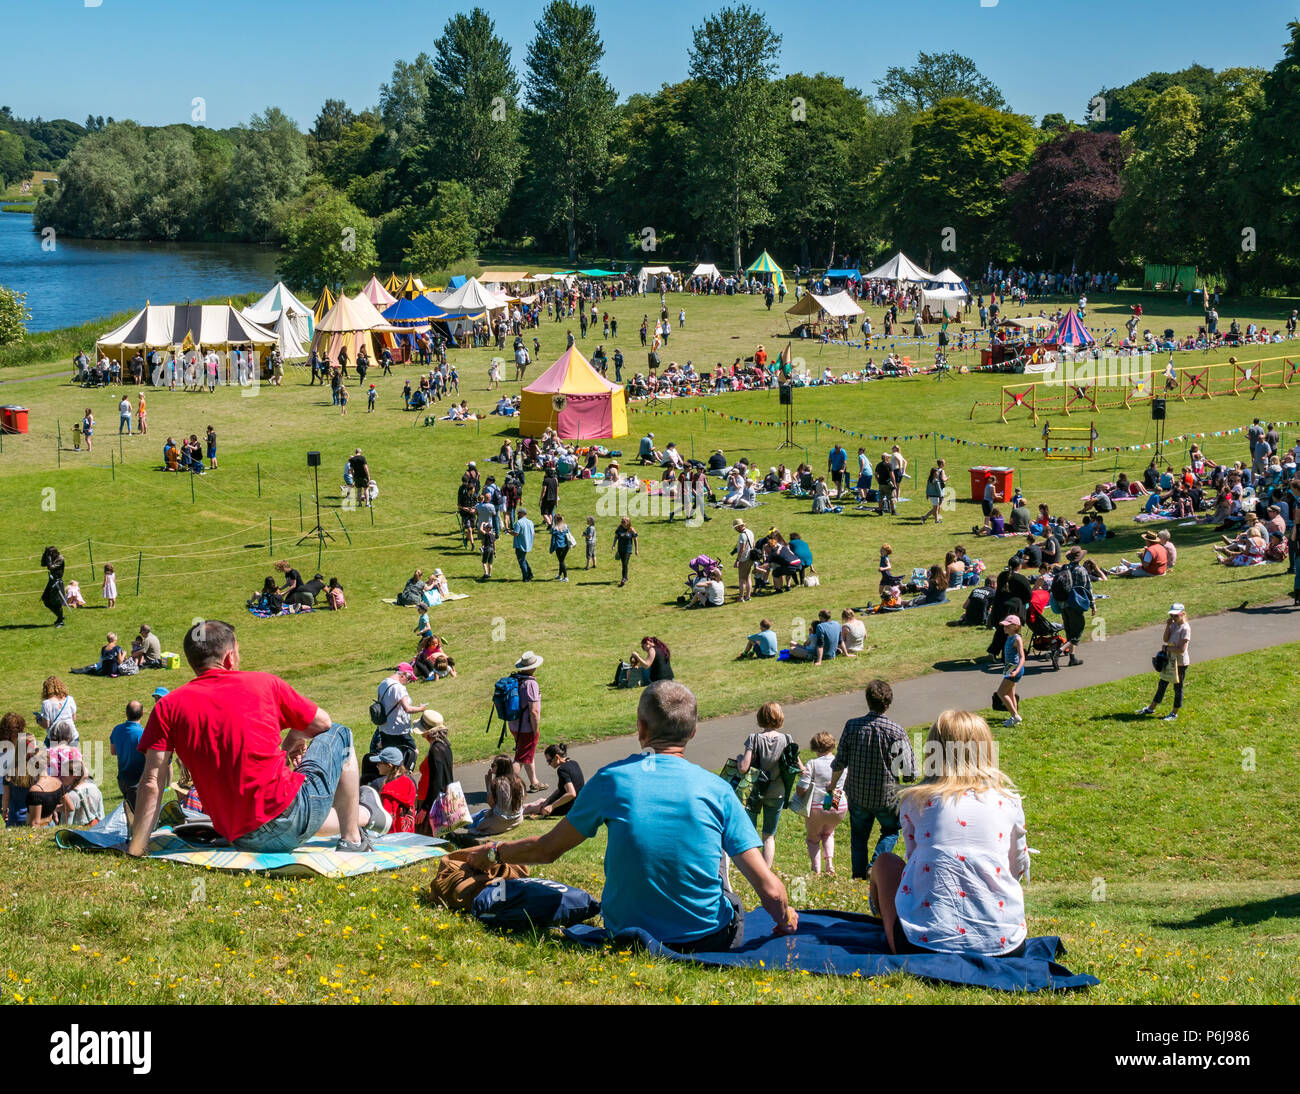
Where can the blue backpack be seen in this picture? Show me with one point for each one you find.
(523, 904)
(505, 704)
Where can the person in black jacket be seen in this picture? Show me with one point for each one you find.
(886, 479)
(53, 597)
(1011, 597)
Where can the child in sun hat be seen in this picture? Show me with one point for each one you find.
(1013, 659)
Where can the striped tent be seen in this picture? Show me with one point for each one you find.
(1070, 331)
(394, 283)
(379, 296)
(575, 400)
(323, 304)
(766, 264)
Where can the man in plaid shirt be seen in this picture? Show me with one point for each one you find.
(877, 755)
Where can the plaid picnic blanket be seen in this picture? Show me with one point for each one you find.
(316, 856)
(261, 613)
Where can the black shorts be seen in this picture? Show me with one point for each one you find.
(987, 507)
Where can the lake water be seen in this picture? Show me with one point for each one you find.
(84, 279)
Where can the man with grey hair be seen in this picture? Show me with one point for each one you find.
(263, 792)
(670, 825)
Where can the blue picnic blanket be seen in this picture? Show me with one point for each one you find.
(844, 943)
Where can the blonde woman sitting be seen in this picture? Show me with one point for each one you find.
(964, 831)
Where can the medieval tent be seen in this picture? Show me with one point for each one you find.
(575, 400)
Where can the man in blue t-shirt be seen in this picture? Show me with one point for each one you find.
(670, 823)
(823, 641)
(123, 743)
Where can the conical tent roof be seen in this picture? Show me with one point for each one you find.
(765, 263)
(472, 296)
(572, 374)
(379, 296)
(352, 313)
(899, 268)
(412, 309)
(393, 283)
(950, 279)
(323, 304)
(1070, 331)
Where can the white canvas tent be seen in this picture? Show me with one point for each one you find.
(836, 306)
(899, 268)
(168, 326)
(472, 297)
(647, 272)
(706, 269)
(281, 299)
(949, 279)
(955, 300)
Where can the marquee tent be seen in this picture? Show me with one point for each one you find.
(1070, 331)
(352, 322)
(457, 281)
(844, 274)
(502, 277)
(937, 300)
(836, 306)
(379, 296)
(411, 315)
(766, 264)
(323, 304)
(949, 279)
(472, 297)
(392, 283)
(168, 326)
(280, 299)
(293, 346)
(899, 268)
(575, 400)
(706, 269)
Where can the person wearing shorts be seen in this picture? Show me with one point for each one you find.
(527, 728)
(264, 789)
(1013, 658)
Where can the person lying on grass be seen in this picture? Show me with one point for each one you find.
(263, 793)
(670, 823)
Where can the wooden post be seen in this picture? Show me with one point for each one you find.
(259, 480)
(270, 538)
(112, 464)
(300, 512)
(191, 487)
(139, 565)
(91, 551)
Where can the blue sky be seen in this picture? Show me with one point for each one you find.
(148, 59)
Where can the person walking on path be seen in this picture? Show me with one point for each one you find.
(625, 545)
(877, 755)
(1013, 661)
(527, 728)
(1177, 641)
(764, 749)
(1072, 590)
(523, 532)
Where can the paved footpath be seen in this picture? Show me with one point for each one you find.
(957, 683)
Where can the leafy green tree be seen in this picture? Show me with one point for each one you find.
(735, 162)
(935, 77)
(1270, 171)
(881, 149)
(170, 185)
(1152, 222)
(448, 236)
(327, 239)
(471, 115)
(1117, 109)
(947, 200)
(402, 106)
(572, 108)
(14, 316)
(269, 167)
(813, 194)
(99, 189)
(13, 158)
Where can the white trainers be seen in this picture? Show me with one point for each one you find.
(1012, 721)
(1147, 710)
(379, 821)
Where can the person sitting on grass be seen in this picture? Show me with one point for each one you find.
(263, 793)
(708, 592)
(994, 525)
(964, 832)
(670, 822)
(569, 782)
(396, 788)
(853, 633)
(763, 644)
(936, 590)
(1153, 563)
(823, 641)
(505, 799)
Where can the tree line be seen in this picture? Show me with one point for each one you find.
(464, 149)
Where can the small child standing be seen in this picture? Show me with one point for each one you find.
(489, 549)
(110, 584)
(589, 537)
(343, 400)
(370, 400)
(212, 449)
(886, 574)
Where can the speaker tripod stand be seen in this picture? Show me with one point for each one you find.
(318, 532)
(787, 398)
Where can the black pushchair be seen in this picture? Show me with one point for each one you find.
(1046, 638)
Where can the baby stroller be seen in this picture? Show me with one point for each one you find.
(1047, 639)
(701, 566)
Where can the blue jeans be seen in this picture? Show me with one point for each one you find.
(302, 818)
(860, 821)
(525, 570)
(771, 816)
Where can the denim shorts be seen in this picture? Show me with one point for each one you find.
(302, 818)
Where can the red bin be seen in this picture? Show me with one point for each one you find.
(13, 419)
(1004, 482)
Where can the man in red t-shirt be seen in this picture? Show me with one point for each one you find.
(263, 792)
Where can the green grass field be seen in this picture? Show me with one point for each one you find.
(1167, 841)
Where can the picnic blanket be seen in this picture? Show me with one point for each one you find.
(844, 943)
(262, 613)
(316, 856)
(449, 596)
